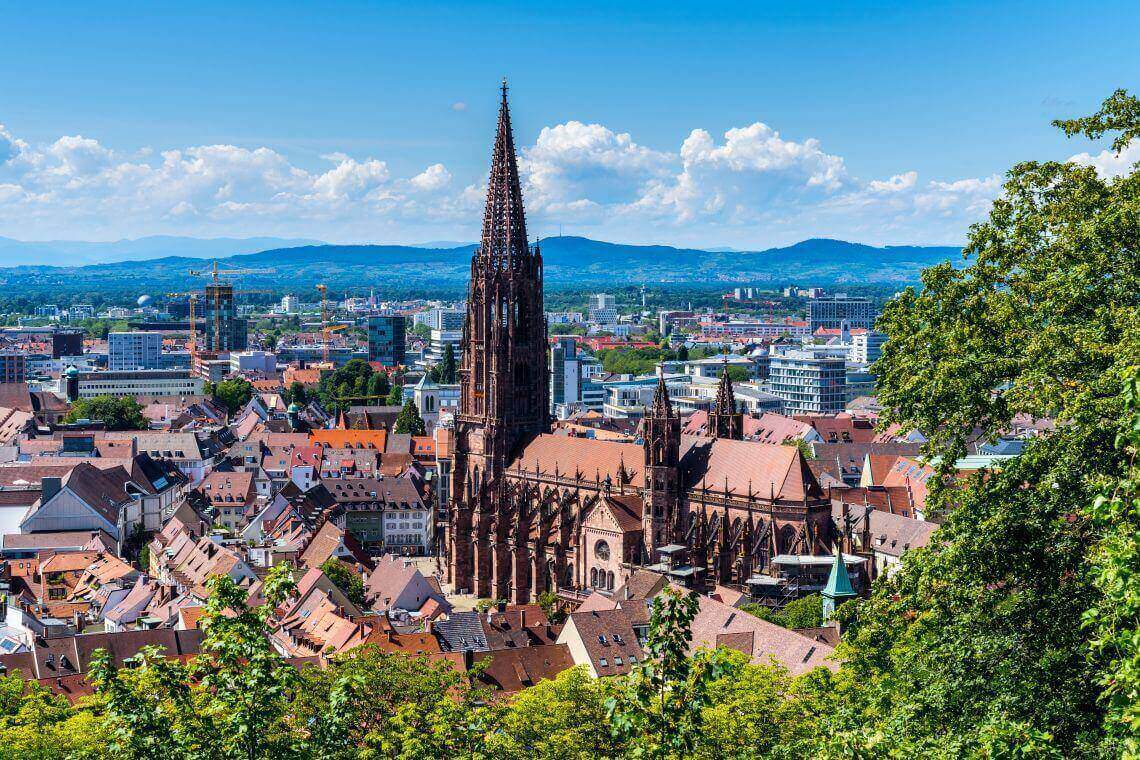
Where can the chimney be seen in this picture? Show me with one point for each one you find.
(49, 487)
(468, 659)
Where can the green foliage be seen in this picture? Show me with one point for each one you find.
(976, 646)
(1115, 622)
(116, 412)
(296, 393)
(379, 385)
(336, 389)
(633, 361)
(558, 719)
(233, 394)
(659, 712)
(448, 372)
(805, 612)
(738, 374)
(803, 446)
(396, 396)
(346, 579)
(409, 420)
(482, 605)
(548, 600)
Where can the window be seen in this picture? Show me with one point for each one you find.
(604, 663)
(602, 551)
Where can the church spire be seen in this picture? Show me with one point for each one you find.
(725, 421)
(504, 242)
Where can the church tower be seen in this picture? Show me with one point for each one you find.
(725, 420)
(662, 472)
(503, 402)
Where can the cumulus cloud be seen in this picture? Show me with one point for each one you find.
(1108, 163)
(748, 186)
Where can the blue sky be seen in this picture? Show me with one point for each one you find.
(730, 124)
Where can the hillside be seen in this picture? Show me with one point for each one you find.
(569, 261)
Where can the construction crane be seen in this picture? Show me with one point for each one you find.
(326, 329)
(220, 295)
(193, 342)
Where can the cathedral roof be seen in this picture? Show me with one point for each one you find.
(768, 469)
(591, 457)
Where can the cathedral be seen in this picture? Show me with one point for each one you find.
(532, 511)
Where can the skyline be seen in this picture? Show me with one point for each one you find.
(365, 125)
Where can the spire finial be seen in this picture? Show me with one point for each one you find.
(504, 89)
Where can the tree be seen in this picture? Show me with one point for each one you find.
(683, 353)
(409, 420)
(447, 372)
(396, 396)
(738, 374)
(233, 394)
(975, 645)
(557, 719)
(548, 600)
(379, 385)
(296, 393)
(659, 712)
(346, 579)
(116, 412)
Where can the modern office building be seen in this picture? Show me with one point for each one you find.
(66, 343)
(150, 382)
(867, 347)
(225, 331)
(830, 312)
(13, 366)
(433, 353)
(809, 381)
(134, 350)
(386, 339)
(441, 319)
(603, 309)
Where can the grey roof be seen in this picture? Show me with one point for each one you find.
(461, 631)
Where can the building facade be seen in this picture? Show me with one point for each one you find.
(386, 339)
(809, 381)
(830, 312)
(134, 350)
(533, 512)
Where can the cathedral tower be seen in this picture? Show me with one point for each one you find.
(503, 380)
(662, 472)
(725, 420)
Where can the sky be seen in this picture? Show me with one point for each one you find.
(701, 124)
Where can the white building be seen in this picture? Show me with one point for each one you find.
(812, 380)
(150, 382)
(262, 362)
(603, 309)
(134, 350)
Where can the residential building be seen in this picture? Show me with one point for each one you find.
(809, 381)
(134, 350)
(867, 346)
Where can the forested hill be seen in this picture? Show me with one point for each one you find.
(568, 260)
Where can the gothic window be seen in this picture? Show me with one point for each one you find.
(593, 577)
(602, 551)
(610, 580)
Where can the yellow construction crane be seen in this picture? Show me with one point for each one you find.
(326, 329)
(193, 342)
(218, 293)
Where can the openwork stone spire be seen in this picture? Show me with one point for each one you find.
(504, 242)
(724, 420)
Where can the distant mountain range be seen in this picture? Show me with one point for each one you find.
(74, 252)
(401, 269)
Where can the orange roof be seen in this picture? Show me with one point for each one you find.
(350, 439)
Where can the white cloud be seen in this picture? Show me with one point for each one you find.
(749, 187)
(459, 106)
(1108, 163)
